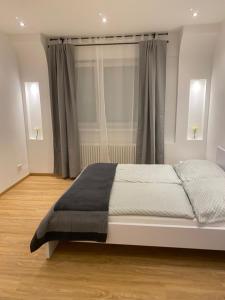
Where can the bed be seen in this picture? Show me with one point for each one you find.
(161, 205)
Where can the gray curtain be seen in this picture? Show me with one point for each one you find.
(64, 112)
(151, 107)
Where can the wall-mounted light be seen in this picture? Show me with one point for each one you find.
(195, 86)
(33, 107)
(197, 95)
(34, 89)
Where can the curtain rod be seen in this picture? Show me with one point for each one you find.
(107, 44)
(153, 34)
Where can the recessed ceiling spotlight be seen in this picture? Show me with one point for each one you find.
(194, 12)
(103, 17)
(21, 23)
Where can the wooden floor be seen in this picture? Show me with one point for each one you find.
(91, 271)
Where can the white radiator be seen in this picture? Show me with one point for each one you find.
(123, 154)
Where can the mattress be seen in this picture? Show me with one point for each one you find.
(165, 221)
(149, 199)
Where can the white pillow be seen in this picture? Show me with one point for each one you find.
(195, 169)
(207, 197)
(146, 173)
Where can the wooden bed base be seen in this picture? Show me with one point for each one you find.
(163, 235)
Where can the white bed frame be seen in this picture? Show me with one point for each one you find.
(165, 235)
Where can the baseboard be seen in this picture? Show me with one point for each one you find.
(41, 174)
(17, 182)
(47, 174)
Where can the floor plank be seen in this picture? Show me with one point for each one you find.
(92, 271)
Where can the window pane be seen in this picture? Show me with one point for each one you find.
(86, 94)
(120, 89)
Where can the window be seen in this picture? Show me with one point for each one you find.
(118, 86)
(120, 91)
(33, 107)
(196, 113)
(107, 93)
(86, 96)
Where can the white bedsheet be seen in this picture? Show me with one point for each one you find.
(166, 221)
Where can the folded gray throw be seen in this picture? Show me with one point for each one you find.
(82, 212)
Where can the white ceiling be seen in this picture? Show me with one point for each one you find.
(75, 17)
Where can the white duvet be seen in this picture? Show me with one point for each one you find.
(156, 190)
(148, 190)
(149, 199)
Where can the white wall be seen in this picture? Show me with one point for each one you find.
(189, 56)
(193, 49)
(33, 67)
(195, 62)
(216, 129)
(12, 129)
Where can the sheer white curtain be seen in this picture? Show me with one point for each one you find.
(107, 94)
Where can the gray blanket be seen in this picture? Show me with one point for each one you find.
(82, 212)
